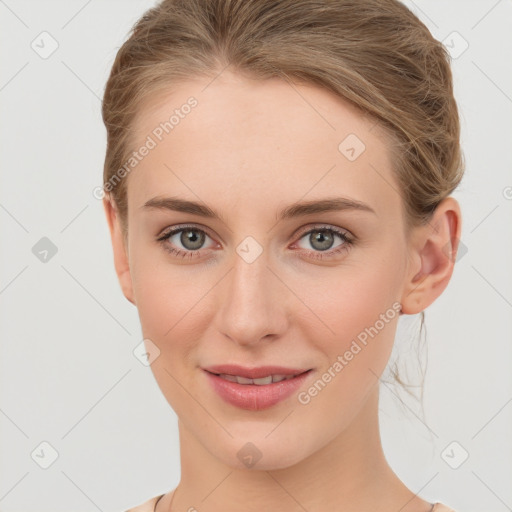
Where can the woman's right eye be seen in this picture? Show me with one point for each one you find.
(184, 241)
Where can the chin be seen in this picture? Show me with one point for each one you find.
(255, 453)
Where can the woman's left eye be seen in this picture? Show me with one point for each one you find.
(192, 239)
(322, 240)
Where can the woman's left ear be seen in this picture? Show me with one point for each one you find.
(433, 251)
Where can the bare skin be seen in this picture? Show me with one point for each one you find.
(248, 149)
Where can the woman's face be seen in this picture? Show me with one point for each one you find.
(254, 288)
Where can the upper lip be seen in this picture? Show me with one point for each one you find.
(253, 373)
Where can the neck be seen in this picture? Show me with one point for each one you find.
(349, 473)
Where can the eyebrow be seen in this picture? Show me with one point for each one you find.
(295, 210)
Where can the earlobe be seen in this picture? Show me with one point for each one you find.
(121, 261)
(433, 257)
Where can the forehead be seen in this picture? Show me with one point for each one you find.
(243, 141)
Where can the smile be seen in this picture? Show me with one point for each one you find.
(258, 382)
(255, 394)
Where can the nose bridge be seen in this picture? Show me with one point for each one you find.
(251, 302)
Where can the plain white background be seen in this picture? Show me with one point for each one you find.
(68, 374)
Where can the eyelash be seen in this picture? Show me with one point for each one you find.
(345, 246)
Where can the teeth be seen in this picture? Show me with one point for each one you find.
(262, 380)
(259, 382)
(243, 380)
(231, 378)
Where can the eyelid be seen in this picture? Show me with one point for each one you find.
(319, 226)
(300, 232)
(181, 227)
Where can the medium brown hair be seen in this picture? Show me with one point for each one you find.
(375, 54)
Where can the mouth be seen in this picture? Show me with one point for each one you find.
(262, 381)
(258, 388)
(257, 373)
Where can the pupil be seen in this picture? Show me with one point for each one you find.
(191, 239)
(324, 238)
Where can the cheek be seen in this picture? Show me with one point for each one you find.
(348, 299)
(364, 331)
(159, 293)
(353, 359)
(357, 312)
(170, 302)
(171, 315)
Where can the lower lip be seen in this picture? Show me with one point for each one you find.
(253, 397)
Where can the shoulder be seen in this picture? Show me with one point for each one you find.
(147, 506)
(439, 507)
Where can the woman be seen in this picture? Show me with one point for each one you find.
(278, 178)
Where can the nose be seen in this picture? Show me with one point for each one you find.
(252, 302)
